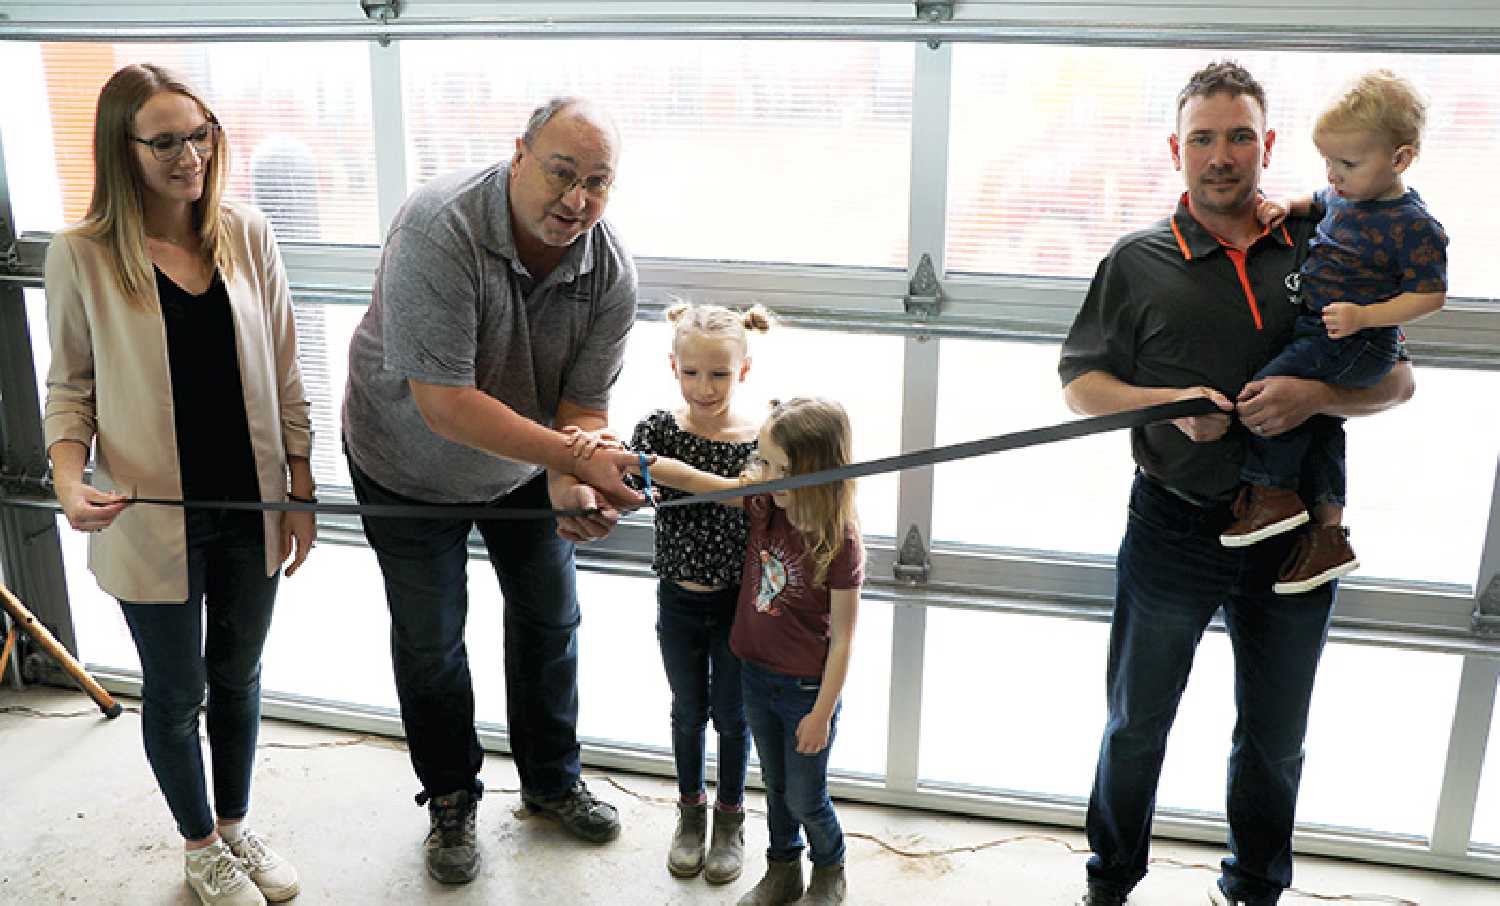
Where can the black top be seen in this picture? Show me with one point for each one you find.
(1173, 306)
(703, 543)
(208, 400)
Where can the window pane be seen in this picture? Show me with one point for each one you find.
(1027, 671)
(1080, 158)
(1067, 496)
(1376, 714)
(1428, 465)
(748, 150)
(789, 362)
(1487, 807)
(623, 695)
(98, 625)
(1071, 496)
(323, 334)
(296, 117)
(41, 343)
(865, 718)
(338, 598)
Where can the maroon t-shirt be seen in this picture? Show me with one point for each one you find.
(782, 619)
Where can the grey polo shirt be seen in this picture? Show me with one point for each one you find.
(453, 305)
(1173, 306)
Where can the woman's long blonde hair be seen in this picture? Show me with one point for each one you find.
(115, 217)
(815, 435)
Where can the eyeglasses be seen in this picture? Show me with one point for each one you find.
(562, 179)
(167, 148)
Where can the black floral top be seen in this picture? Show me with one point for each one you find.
(700, 543)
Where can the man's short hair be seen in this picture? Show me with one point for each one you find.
(1378, 101)
(1226, 77)
(543, 115)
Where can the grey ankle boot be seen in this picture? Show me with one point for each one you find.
(726, 851)
(826, 888)
(781, 885)
(686, 858)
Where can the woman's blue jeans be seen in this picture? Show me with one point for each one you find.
(692, 628)
(796, 785)
(1172, 576)
(214, 641)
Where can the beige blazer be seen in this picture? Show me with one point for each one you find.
(110, 387)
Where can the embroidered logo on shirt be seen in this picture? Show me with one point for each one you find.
(1293, 284)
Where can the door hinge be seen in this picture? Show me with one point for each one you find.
(912, 565)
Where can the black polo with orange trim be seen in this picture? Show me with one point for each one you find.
(1175, 306)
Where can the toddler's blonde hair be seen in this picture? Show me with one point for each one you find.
(1378, 101)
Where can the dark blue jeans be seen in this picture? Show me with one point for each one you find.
(1312, 454)
(693, 630)
(425, 566)
(212, 640)
(1173, 574)
(796, 785)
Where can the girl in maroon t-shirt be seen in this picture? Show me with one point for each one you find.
(793, 630)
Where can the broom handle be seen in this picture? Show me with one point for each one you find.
(30, 624)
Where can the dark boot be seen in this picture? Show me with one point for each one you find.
(452, 846)
(781, 885)
(1261, 513)
(685, 859)
(827, 887)
(1321, 555)
(726, 854)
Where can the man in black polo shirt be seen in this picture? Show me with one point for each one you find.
(1194, 306)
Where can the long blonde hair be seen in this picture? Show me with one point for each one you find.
(116, 217)
(815, 435)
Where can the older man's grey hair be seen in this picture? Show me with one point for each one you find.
(543, 115)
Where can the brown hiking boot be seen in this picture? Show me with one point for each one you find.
(685, 859)
(726, 852)
(827, 887)
(1261, 513)
(781, 885)
(1322, 554)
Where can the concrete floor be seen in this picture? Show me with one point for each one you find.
(83, 823)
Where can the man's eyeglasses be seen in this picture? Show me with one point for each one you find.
(562, 179)
(168, 147)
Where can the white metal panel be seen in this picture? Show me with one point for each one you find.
(1454, 823)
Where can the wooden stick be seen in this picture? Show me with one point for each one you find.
(10, 642)
(23, 619)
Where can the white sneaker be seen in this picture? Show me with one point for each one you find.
(275, 876)
(217, 878)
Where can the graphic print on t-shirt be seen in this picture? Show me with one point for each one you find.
(777, 571)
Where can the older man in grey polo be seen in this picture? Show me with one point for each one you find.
(500, 315)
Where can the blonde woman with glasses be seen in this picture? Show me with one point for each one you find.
(174, 361)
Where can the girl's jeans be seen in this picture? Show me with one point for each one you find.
(796, 785)
(693, 630)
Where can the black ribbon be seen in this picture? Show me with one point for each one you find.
(1083, 427)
